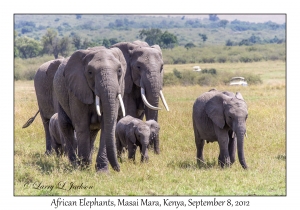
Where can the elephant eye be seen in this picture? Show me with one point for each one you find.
(119, 71)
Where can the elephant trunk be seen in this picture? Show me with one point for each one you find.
(156, 143)
(240, 147)
(108, 95)
(145, 156)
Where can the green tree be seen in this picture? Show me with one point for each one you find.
(189, 45)
(85, 44)
(203, 37)
(213, 17)
(52, 44)
(113, 41)
(16, 51)
(64, 46)
(152, 36)
(106, 43)
(168, 40)
(27, 47)
(76, 40)
(223, 23)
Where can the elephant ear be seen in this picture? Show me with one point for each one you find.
(238, 95)
(152, 124)
(214, 108)
(156, 47)
(75, 79)
(127, 50)
(130, 133)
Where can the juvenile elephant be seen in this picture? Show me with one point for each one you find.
(143, 79)
(57, 140)
(132, 133)
(89, 87)
(221, 116)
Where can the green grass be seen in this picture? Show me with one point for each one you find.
(174, 171)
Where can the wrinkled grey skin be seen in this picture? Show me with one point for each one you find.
(87, 73)
(221, 116)
(132, 133)
(57, 140)
(144, 64)
(47, 102)
(154, 134)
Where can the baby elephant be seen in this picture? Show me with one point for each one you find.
(132, 133)
(57, 140)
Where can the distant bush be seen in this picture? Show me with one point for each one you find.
(206, 77)
(221, 54)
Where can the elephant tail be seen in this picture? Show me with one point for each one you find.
(30, 120)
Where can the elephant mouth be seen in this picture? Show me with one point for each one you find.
(98, 105)
(148, 104)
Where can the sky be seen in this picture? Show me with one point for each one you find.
(257, 18)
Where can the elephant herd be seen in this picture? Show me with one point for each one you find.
(113, 90)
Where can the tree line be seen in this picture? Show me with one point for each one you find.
(126, 22)
(52, 44)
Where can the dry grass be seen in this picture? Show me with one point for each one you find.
(174, 171)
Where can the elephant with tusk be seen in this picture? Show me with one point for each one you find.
(143, 79)
(89, 87)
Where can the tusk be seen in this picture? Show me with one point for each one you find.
(163, 100)
(98, 105)
(246, 135)
(121, 104)
(146, 102)
(233, 135)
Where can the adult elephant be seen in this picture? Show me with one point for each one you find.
(221, 116)
(47, 102)
(89, 87)
(143, 79)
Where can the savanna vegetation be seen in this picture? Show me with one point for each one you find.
(222, 49)
(174, 171)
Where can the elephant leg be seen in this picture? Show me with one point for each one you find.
(101, 160)
(131, 151)
(199, 146)
(93, 135)
(119, 147)
(47, 134)
(67, 133)
(224, 159)
(232, 147)
(83, 144)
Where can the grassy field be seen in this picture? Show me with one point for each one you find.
(174, 171)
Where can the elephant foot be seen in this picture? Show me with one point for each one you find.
(48, 152)
(102, 171)
(224, 164)
(201, 163)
